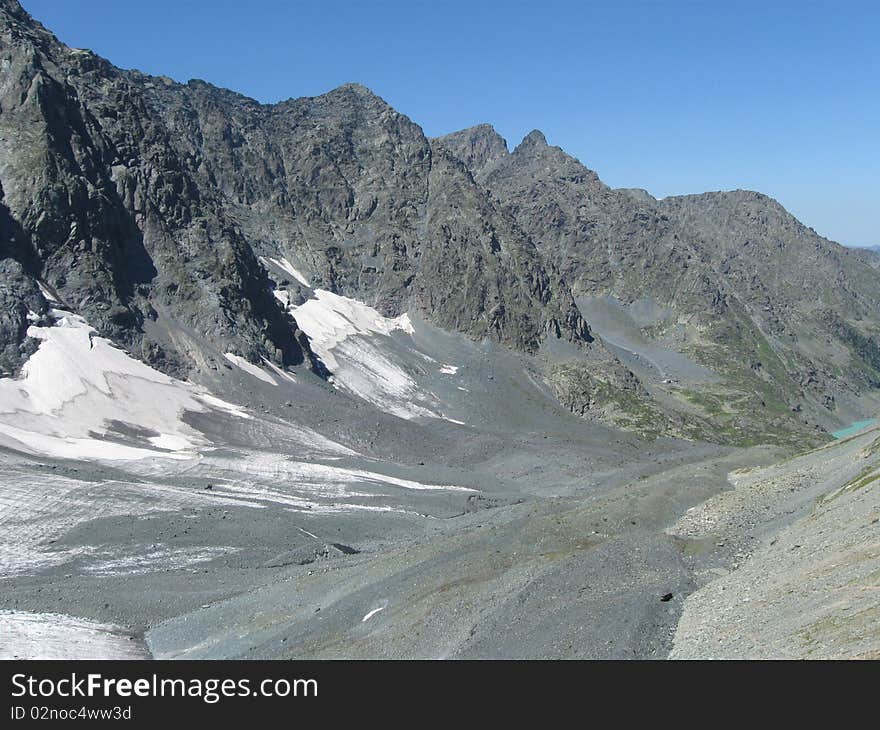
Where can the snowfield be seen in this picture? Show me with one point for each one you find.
(351, 338)
(81, 397)
(329, 320)
(115, 473)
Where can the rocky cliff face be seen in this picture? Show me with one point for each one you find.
(815, 303)
(355, 193)
(604, 241)
(107, 213)
(145, 204)
(478, 147)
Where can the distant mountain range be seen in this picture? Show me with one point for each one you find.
(150, 208)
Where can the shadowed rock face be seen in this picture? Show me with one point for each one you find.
(145, 203)
(110, 215)
(19, 297)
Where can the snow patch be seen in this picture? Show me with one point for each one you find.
(310, 479)
(79, 396)
(287, 267)
(68, 447)
(47, 295)
(251, 369)
(345, 333)
(169, 441)
(330, 319)
(279, 372)
(449, 369)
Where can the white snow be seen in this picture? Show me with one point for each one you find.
(286, 266)
(68, 447)
(307, 478)
(250, 368)
(47, 295)
(169, 441)
(221, 405)
(372, 613)
(77, 386)
(330, 319)
(346, 334)
(279, 372)
(348, 337)
(25, 635)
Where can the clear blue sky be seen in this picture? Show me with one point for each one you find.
(675, 97)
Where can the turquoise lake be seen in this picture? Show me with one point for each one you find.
(853, 428)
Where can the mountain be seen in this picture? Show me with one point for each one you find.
(784, 317)
(151, 208)
(146, 204)
(871, 251)
(402, 397)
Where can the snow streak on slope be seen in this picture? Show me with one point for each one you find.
(309, 479)
(38, 509)
(250, 368)
(81, 397)
(350, 337)
(287, 267)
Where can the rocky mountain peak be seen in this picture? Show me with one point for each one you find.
(477, 147)
(639, 194)
(535, 138)
(546, 161)
(11, 9)
(355, 91)
(156, 225)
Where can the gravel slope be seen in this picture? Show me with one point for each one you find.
(810, 586)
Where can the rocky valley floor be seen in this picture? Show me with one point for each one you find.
(314, 523)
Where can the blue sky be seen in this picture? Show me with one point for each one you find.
(675, 97)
